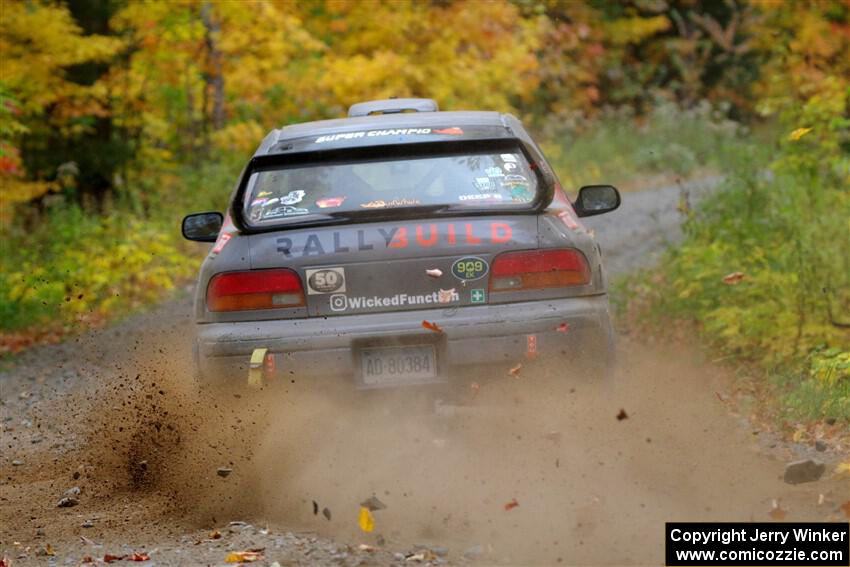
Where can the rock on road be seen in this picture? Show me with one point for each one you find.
(108, 420)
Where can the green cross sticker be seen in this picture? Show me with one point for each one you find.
(478, 296)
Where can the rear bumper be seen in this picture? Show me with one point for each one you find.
(481, 335)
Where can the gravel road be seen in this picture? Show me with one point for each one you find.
(109, 422)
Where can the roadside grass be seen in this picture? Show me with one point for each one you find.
(666, 146)
(764, 275)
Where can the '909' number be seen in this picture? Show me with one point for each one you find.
(470, 268)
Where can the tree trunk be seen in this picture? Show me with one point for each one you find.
(213, 75)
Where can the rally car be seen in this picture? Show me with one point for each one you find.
(400, 245)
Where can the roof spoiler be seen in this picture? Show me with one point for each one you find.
(392, 106)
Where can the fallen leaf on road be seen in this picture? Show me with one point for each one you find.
(475, 387)
(215, 534)
(365, 520)
(5, 562)
(327, 514)
(315, 508)
(373, 504)
(563, 327)
(88, 541)
(733, 278)
(432, 326)
(515, 370)
(776, 512)
(243, 556)
(842, 470)
(846, 508)
(85, 559)
(798, 133)
(622, 415)
(511, 505)
(424, 555)
(109, 558)
(367, 547)
(223, 472)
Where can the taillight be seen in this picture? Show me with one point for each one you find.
(539, 269)
(259, 289)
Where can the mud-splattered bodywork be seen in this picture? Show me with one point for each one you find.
(368, 282)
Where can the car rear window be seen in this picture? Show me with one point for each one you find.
(495, 179)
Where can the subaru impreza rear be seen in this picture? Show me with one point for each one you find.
(400, 246)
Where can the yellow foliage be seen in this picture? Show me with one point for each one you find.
(38, 40)
(798, 133)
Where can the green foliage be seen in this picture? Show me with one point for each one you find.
(73, 268)
(667, 144)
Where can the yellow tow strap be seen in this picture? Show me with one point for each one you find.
(255, 368)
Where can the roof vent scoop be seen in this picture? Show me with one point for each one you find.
(392, 106)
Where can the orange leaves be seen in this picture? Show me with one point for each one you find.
(109, 558)
(776, 512)
(734, 278)
(511, 505)
(432, 326)
(515, 370)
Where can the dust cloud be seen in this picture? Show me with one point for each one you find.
(540, 468)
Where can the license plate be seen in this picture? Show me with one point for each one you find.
(387, 365)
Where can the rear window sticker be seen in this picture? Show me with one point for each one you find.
(477, 296)
(284, 211)
(330, 202)
(494, 172)
(510, 166)
(511, 180)
(325, 280)
(521, 193)
(452, 131)
(508, 158)
(481, 197)
(380, 203)
(483, 183)
(293, 197)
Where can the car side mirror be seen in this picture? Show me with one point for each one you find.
(202, 227)
(596, 200)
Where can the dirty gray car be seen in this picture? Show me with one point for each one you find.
(401, 245)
